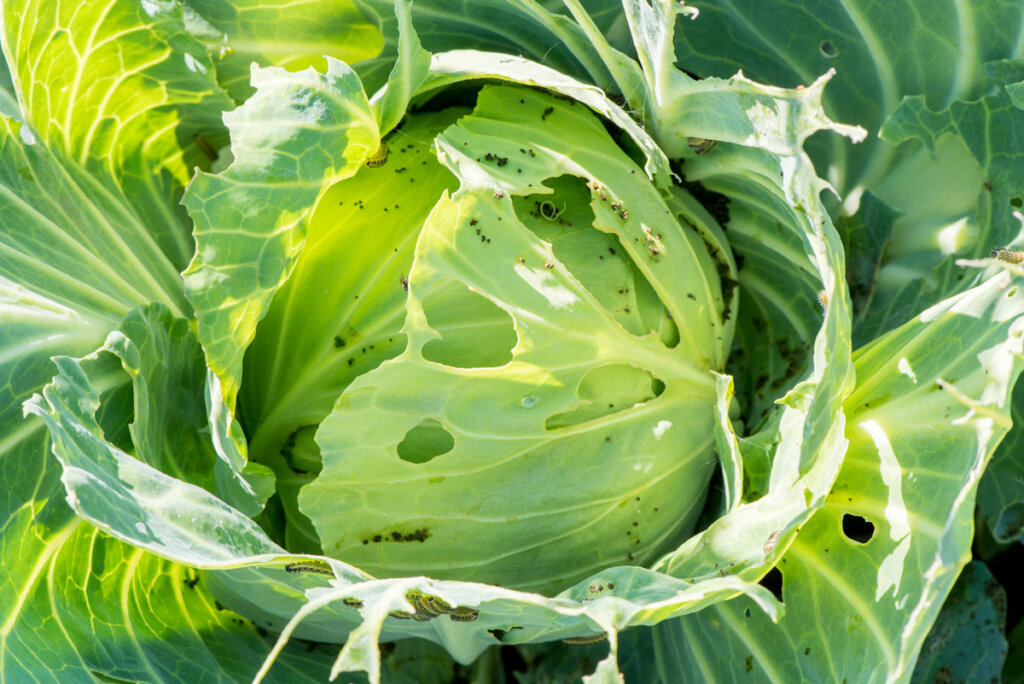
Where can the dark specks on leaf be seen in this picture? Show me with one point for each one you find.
(420, 535)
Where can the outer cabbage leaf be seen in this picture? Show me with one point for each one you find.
(84, 607)
(535, 30)
(983, 137)
(283, 33)
(76, 243)
(91, 231)
(124, 92)
(81, 605)
(950, 195)
(968, 641)
(922, 426)
(298, 134)
(943, 178)
(991, 128)
(1001, 493)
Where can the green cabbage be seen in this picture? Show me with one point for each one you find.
(546, 339)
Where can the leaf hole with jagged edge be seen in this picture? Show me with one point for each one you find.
(424, 442)
(564, 218)
(772, 581)
(475, 332)
(858, 529)
(605, 390)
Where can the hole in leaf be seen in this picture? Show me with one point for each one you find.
(606, 390)
(773, 582)
(425, 441)
(565, 219)
(828, 50)
(858, 529)
(475, 332)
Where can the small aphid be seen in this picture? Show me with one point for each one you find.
(404, 282)
(463, 614)
(823, 298)
(700, 145)
(769, 545)
(548, 265)
(582, 641)
(624, 215)
(378, 158)
(318, 567)
(499, 194)
(1009, 256)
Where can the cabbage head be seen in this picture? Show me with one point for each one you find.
(510, 341)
